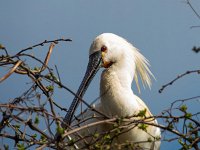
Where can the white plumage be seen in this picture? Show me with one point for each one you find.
(123, 63)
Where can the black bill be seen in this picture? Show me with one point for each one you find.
(92, 68)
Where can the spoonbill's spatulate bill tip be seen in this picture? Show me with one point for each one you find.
(122, 63)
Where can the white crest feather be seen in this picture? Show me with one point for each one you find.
(142, 70)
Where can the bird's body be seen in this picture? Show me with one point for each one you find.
(123, 63)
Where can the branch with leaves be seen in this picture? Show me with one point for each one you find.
(32, 119)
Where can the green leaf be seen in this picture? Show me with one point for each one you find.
(190, 125)
(142, 113)
(115, 125)
(184, 145)
(17, 126)
(183, 108)
(36, 121)
(52, 77)
(55, 78)
(107, 137)
(97, 146)
(71, 142)
(107, 147)
(118, 131)
(60, 130)
(188, 115)
(20, 146)
(36, 68)
(50, 88)
(180, 141)
(34, 135)
(143, 126)
(170, 126)
(43, 138)
(48, 76)
(96, 135)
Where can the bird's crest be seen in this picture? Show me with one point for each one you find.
(142, 70)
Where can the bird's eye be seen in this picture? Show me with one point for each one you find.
(103, 48)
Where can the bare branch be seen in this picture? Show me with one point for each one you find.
(42, 44)
(11, 71)
(177, 78)
(195, 12)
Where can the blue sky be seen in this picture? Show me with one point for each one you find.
(159, 28)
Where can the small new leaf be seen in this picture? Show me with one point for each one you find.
(107, 137)
(170, 126)
(34, 135)
(17, 126)
(36, 69)
(50, 88)
(60, 130)
(36, 121)
(190, 125)
(183, 108)
(97, 146)
(43, 138)
(20, 146)
(143, 126)
(142, 113)
(188, 115)
(96, 135)
(71, 142)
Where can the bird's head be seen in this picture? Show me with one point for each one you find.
(114, 50)
(109, 50)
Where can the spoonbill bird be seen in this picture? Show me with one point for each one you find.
(122, 63)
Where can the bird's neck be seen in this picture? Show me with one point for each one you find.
(115, 88)
(120, 73)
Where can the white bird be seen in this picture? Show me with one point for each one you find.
(123, 63)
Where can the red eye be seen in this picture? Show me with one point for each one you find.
(103, 48)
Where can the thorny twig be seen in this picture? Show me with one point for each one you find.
(42, 44)
(177, 78)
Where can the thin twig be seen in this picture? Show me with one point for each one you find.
(11, 71)
(196, 13)
(178, 77)
(45, 64)
(42, 43)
